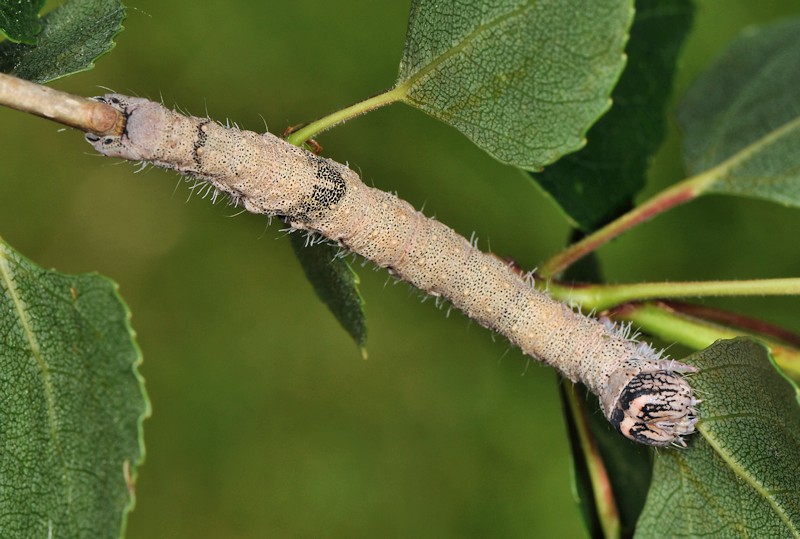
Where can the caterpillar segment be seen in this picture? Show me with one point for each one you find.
(645, 397)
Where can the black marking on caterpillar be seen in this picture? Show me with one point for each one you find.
(326, 193)
(202, 137)
(644, 396)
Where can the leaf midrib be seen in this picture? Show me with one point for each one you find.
(409, 83)
(744, 96)
(749, 479)
(712, 177)
(7, 277)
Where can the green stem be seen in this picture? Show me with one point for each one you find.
(672, 326)
(669, 325)
(601, 297)
(318, 126)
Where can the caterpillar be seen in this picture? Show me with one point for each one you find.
(647, 398)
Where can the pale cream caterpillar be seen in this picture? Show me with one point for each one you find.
(645, 397)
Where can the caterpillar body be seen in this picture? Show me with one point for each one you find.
(645, 397)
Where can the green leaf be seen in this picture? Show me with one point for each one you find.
(740, 475)
(599, 182)
(74, 36)
(19, 20)
(335, 283)
(742, 116)
(73, 403)
(524, 80)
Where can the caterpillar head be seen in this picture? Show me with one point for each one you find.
(655, 408)
(141, 117)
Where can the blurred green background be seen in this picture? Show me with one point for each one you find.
(266, 421)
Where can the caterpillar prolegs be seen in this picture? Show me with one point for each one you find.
(645, 397)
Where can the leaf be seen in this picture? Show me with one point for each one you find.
(19, 20)
(72, 406)
(743, 114)
(741, 475)
(335, 283)
(74, 36)
(523, 80)
(598, 183)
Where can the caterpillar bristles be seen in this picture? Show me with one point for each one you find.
(646, 398)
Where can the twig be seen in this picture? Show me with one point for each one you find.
(71, 110)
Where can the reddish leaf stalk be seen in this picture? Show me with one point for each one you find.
(674, 196)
